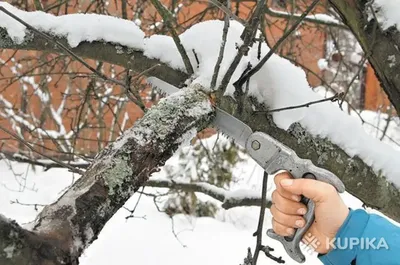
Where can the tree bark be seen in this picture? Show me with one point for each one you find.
(68, 226)
(379, 45)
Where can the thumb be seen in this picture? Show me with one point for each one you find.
(315, 190)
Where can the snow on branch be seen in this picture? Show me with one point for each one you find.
(77, 217)
(322, 19)
(229, 199)
(277, 84)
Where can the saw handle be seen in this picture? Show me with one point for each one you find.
(274, 156)
(292, 243)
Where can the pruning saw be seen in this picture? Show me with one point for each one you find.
(272, 156)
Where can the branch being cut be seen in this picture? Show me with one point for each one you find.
(375, 190)
(71, 223)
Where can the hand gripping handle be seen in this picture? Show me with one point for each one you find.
(274, 156)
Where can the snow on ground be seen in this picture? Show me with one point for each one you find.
(279, 83)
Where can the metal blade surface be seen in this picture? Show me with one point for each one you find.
(232, 126)
(228, 124)
(162, 85)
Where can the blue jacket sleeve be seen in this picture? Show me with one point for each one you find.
(369, 239)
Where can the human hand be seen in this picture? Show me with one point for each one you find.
(288, 211)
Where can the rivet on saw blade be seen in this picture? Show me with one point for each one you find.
(255, 145)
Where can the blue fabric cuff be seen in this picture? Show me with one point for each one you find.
(344, 252)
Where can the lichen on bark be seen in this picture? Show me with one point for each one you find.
(78, 216)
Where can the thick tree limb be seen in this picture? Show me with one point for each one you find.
(74, 221)
(374, 190)
(71, 223)
(19, 246)
(106, 52)
(378, 45)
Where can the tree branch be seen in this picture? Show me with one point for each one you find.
(378, 45)
(72, 222)
(167, 20)
(101, 51)
(229, 199)
(244, 78)
(375, 190)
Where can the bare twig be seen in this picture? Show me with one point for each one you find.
(305, 105)
(61, 46)
(196, 57)
(311, 18)
(45, 164)
(226, 10)
(35, 205)
(241, 81)
(247, 36)
(221, 50)
(22, 141)
(167, 20)
(38, 5)
(361, 67)
(132, 212)
(259, 231)
(217, 193)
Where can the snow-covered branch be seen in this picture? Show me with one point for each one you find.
(229, 199)
(322, 19)
(329, 145)
(99, 46)
(78, 216)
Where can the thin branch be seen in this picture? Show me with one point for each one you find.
(305, 105)
(42, 163)
(22, 141)
(61, 46)
(166, 16)
(35, 205)
(241, 81)
(247, 36)
(361, 67)
(259, 231)
(311, 18)
(228, 199)
(38, 5)
(227, 11)
(221, 50)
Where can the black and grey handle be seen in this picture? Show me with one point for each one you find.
(274, 156)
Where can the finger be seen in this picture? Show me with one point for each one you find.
(287, 206)
(294, 221)
(281, 229)
(285, 193)
(313, 189)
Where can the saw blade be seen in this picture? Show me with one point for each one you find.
(224, 122)
(162, 86)
(233, 127)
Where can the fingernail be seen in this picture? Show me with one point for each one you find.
(299, 223)
(286, 182)
(301, 211)
(290, 231)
